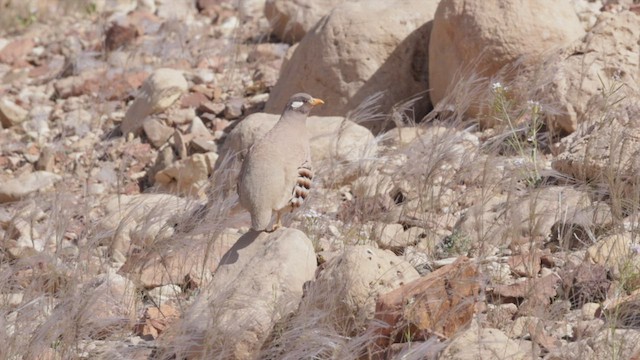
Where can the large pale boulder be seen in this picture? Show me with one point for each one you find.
(259, 282)
(500, 220)
(158, 92)
(482, 37)
(25, 184)
(592, 74)
(606, 149)
(360, 49)
(361, 274)
(291, 20)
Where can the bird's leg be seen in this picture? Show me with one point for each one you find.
(278, 223)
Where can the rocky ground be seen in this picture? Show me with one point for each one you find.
(475, 193)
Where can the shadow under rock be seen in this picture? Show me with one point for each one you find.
(245, 240)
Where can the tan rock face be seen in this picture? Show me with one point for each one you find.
(363, 273)
(605, 149)
(260, 281)
(484, 36)
(291, 20)
(157, 93)
(349, 56)
(28, 183)
(606, 59)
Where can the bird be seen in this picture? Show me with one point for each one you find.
(276, 173)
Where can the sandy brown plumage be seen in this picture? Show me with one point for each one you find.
(276, 174)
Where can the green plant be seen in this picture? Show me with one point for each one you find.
(523, 127)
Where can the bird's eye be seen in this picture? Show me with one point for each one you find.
(296, 104)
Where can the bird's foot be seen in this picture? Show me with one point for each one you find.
(277, 225)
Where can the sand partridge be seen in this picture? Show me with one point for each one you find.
(276, 173)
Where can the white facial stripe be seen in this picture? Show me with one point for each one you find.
(296, 104)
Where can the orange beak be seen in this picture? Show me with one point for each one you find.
(315, 102)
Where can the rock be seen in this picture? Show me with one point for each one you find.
(233, 109)
(501, 316)
(193, 100)
(589, 310)
(348, 58)
(403, 136)
(607, 58)
(28, 183)
(155, 321)
(588, 12)
(362, 273)
(622, 311)
(616, 252)
(181, 116)
(478, 343)
(16, 51)
(101, 307)
(138, 219)
(208, 7)
(198, 129)
(215, 108)
(118, 36)
(182, 265)
(11, 114)
(259, 282)
(526, 264)
(78, 122)
(180, 11)
(188, 176)
(203, 144)
(158, 92)
(372, 185)
(604, 146)
(291, 20)
(442, 303)
(115, 7)
(530, 216)
(612, 342)
(582, 228)
(537, 291)
(157, 132)
(482, 37)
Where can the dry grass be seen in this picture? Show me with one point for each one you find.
(435, 183)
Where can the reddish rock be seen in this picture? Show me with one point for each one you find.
(16, 51)
(439, 303)
(118, 36)
(535, 293)
(209, 8)
(193, 100)
(526, 264)
(156, 320)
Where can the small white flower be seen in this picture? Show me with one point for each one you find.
(496, 86)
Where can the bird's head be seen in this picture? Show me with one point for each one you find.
(302, 103)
